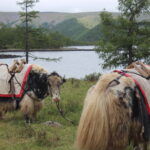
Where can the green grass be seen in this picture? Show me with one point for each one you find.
(15, 134)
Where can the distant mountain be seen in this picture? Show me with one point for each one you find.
(91, 35)
(88, 19)
(71, 28)
(77, 26)
(72, 25)
(75, 30)
(9, 18)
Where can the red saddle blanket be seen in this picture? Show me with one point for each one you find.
(142, 83)
(18, 81)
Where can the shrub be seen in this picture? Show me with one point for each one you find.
(92, 77)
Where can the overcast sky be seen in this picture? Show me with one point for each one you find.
(64, 5)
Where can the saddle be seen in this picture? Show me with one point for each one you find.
(141, 68)
(140, 73)
(17, 66)
(13, 79)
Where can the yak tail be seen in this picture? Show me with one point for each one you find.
(94, 126)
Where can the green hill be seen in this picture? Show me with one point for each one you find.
(73, 29)
(70, 28)
(91, 35)
(52, 18)
(77, 26)
(72, 25)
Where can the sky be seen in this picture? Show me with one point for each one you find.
(73, 6)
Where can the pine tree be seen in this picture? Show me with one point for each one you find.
(26, 18)
(126, 38)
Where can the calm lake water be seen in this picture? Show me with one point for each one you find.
(74, 64)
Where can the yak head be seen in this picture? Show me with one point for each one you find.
(55, 81)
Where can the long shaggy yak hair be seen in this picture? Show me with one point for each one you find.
(39, 85)
(110, 119)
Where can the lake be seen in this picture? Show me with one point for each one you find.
(73, 64)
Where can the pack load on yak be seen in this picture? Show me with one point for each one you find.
(116, 111)
(24, 86)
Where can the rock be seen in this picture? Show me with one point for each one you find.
(52, 124)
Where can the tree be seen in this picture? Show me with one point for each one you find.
(27, 17)
(125, 38)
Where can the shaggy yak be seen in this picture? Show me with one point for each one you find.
(24, 86)
(116, 111)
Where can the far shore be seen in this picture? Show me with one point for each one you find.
(46, 50)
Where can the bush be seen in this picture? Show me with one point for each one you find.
(92, 77)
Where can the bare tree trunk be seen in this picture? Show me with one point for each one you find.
(26, 37)
(130, 61)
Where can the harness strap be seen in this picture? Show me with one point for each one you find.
(11, 83)
(138, 85)
(147, 78)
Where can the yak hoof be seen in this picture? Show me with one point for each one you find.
(28, 120)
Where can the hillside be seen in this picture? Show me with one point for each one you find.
(70, 28)
(91, 35)
(72, 25)
(53, 18)
(77, 26)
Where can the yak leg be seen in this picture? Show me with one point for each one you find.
(37, 107)
(27, 119)
(27, 108)
(1, 114)
(142, 146)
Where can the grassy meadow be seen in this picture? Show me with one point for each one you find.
(15, 134)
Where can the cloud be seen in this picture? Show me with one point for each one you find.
(65, 5)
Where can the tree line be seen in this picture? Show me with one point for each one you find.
(26, 36)
(39, 38)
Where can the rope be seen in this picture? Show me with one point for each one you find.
(62, 113)
(26, 90)
(125, 71)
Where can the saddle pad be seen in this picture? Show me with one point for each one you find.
(142, 83)
(18, 81)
